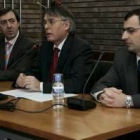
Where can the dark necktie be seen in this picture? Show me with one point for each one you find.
(139, 76)
(7, 53)
(54, 62)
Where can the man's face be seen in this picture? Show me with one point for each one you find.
(56, 28)
(131, 34)
(9, 25)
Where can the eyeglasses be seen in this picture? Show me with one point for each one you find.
(130, 30)
(51, 22)
(4, 22)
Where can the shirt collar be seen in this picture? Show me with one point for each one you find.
(12, 41)
(60, 45)
(138, 58)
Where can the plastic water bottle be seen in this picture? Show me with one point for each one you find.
(58, 90)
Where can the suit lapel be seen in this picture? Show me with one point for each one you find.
(15, 50)
(64, 53)
(46, 58)
(132, 74)
(2, 54)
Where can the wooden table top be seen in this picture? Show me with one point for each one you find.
(66, 124)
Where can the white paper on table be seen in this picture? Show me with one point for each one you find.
(35, 96)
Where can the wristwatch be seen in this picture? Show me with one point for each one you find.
(128, 101)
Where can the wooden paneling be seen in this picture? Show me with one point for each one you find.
(100, 21)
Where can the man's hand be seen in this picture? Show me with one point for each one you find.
(20, 80)
(31, 83)
(113, 97)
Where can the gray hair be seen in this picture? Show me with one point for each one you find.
(59, 10)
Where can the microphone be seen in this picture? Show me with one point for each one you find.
(93, 70)
(82, 104)
(41, 5)
(33, 48)
(3, 97)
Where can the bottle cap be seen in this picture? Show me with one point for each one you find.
(58, 77)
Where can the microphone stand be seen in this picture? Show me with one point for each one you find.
(93, 70)
(82, 104)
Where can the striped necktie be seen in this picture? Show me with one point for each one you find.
(7, 53)
(54, 62)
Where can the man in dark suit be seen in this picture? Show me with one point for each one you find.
(20, 46)
(75, 55)
(120, 87)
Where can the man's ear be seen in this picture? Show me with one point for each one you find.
(67, 24)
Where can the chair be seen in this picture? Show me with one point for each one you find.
(99, 72)
(102, 69)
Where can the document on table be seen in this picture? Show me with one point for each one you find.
(35, 96)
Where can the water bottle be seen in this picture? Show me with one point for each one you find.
(58, 90)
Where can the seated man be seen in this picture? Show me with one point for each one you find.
(75, 55)
(16, 52)
(120, 87)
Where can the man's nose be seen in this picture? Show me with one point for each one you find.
(46, 25)
(125, 35)
(8, 24)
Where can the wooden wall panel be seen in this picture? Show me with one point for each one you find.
(100, 21)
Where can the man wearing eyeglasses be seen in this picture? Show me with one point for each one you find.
(120, 87)
(75, 56)
(13, 46)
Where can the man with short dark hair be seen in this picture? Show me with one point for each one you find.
(14, 46)
(75, 56)
(120, 87)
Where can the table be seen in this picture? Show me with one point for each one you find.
(97, 124)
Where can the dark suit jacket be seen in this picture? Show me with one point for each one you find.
(22, 46)
(75, 63)
(123, 75)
